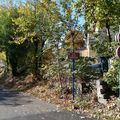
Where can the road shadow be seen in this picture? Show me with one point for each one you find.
(53, 115)
(13, 98)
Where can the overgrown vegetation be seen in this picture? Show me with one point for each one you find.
(32, 41)
(112, 76)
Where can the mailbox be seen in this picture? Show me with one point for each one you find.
(102, 66)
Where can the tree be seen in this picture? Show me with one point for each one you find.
(6, 28)
(38, 24)
(102, 14)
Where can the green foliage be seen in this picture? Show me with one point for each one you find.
(2, 56)
(59, 67)
(111, 77)
(31, 34)
(102, 11)
(82, 70)
(104, 14)
(104, 48)
(71, 14)
(27, 31)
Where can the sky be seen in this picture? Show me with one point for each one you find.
(82, 20)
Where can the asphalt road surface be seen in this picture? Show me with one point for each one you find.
(15, 106)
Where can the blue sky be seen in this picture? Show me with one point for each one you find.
(82, 20)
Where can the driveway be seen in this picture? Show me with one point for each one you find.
(16, 106)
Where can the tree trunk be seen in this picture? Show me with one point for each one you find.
(108, 30)
(38, 59)
(36, 69)
(41, 58)
(13, 63)
(7, 61)
(41, 53)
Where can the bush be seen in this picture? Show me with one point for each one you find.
(83, 72)
(111, 77)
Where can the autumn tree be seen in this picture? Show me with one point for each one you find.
(28, 32)
(7, 12)
(102, 14)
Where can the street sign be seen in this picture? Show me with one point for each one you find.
(117, 37)
(73, 55)
(118, 52)
(74, 39)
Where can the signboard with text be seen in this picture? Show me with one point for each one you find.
(73, 55)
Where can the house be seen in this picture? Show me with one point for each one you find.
(87, 52)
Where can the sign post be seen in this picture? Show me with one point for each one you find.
(73, 40)
(73, 68)
(73, 56)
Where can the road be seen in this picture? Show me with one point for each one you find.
(16, 106)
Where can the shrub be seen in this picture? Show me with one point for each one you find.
(111, 77)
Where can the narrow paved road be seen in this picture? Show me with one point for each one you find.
(15, 106)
